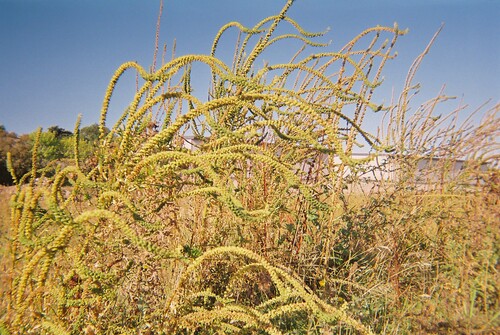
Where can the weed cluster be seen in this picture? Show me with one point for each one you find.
(269, 225)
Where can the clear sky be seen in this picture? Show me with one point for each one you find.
(57, 56)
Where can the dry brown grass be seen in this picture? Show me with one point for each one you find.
(5, 264)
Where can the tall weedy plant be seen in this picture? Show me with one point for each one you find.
(161, 238)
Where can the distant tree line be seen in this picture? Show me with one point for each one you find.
(55, 143)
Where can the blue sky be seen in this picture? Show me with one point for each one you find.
(57, 56)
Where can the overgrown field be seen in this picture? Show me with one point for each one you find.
(267, 225)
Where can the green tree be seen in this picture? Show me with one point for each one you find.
(89, 137)
(59, 132)
(55, 143)
(20, 149)
(90, 133)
